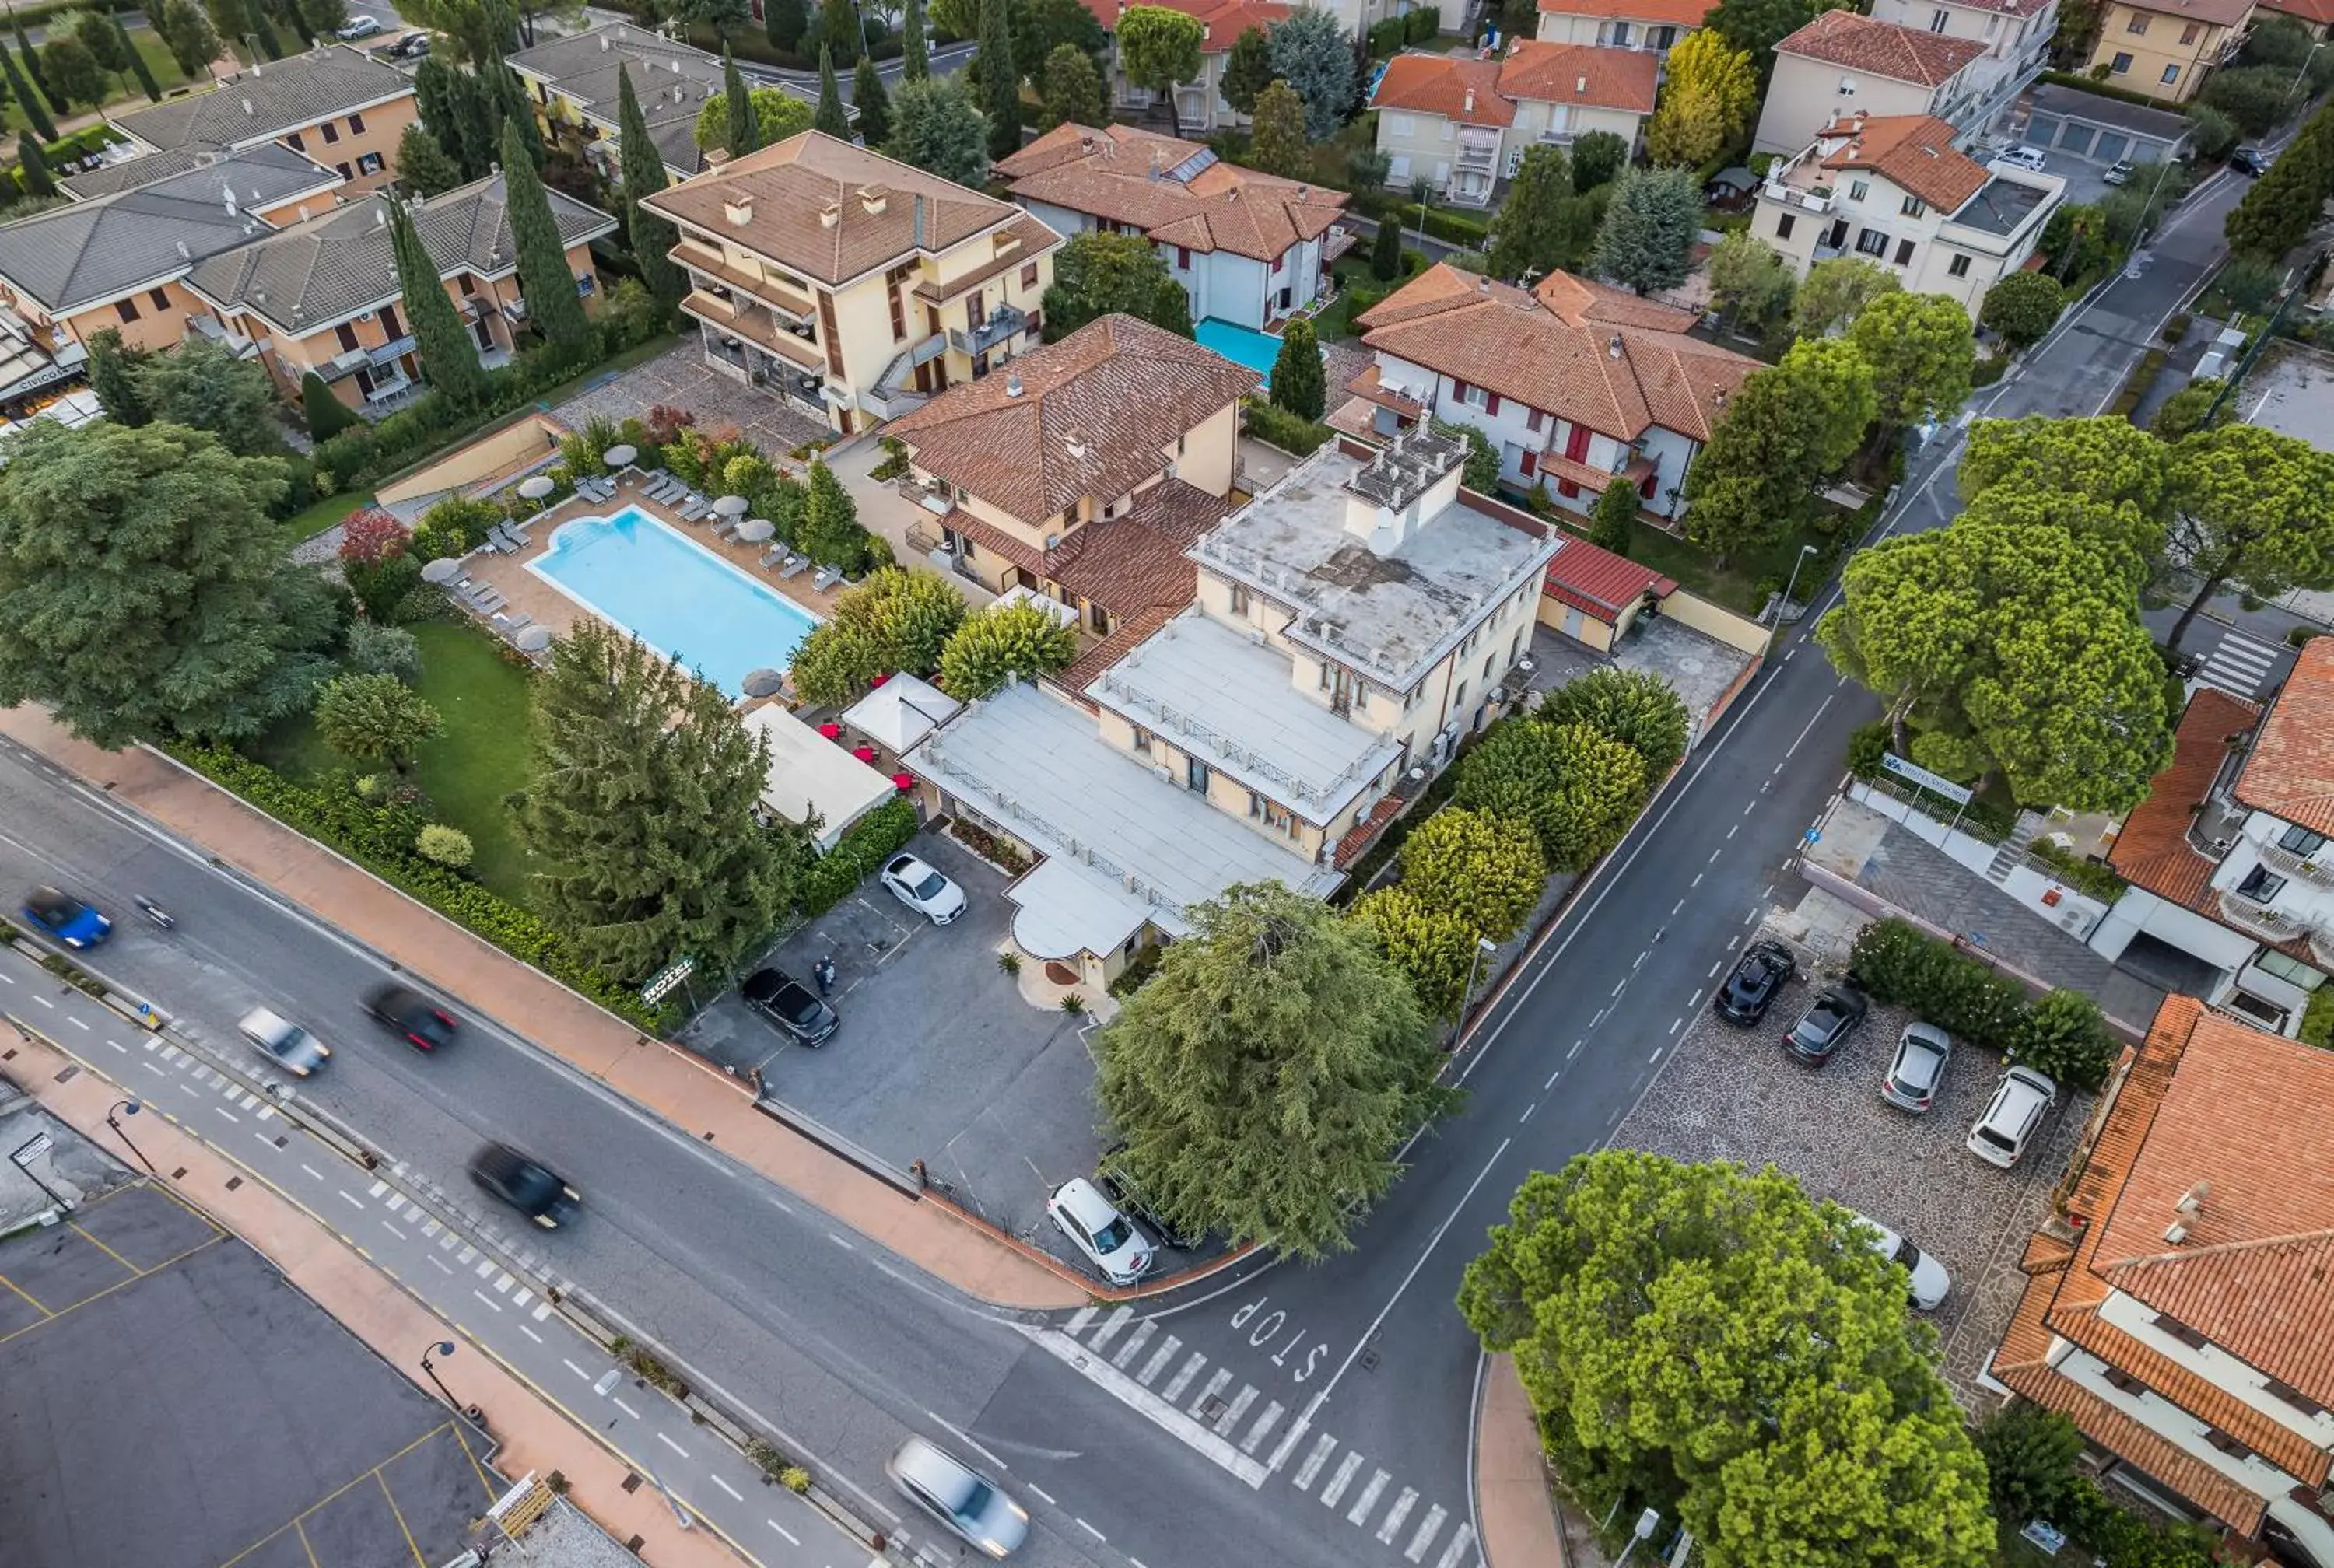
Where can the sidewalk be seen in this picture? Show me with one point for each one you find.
(684, 1091)
(532, 1435)
(1517, 1513)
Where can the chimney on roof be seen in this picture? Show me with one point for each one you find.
(2175, 1233)
(737, 208)
(2193, 1198)
(1076, 444)
(1469, 107)
(715, 157)
(604, 44)
(1012, 384)
(1613, 347)
(183, 254)
(247, 109)
(873, 199)
(227, 192)
(1580, 84)
(828, 216)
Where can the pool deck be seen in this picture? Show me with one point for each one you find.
(546, 605)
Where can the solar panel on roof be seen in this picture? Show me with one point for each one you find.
(1190, 169)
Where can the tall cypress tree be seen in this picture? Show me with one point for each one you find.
(437, 94)
(266, 33)
(449, 360)
(830, 118)
(745, 129)
(32, 58)
(508, 104)
(544, 280)
(915, 60)
(111, 378)
(874, 107)
(643, 170)
(35, 167)
(35, 110)
(481, 135)
(1000, 84)
(145, 73)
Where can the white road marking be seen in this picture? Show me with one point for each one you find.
(668, 1443)
(1427, 1528)
(488, 1299)
(792, 1539)
(840, 1242)
(522, 1298)
(1288, 1443)
(1217, 1379)
(487, 1266)
(1078, 1321)
(1166, 1417)
(394, 1231)
(1241, 1402)
(1577, 1044)
(44, 1001)
(1453, 1552)
(223, 1111)
(1089, 1529)
(541, 1311)
(530, 1333)
(1176, 1384)
(313, 1171)
(1263, 1427)
(118, 1046)
(1110, 1327)
(1527, 1111)
(1368, 1500)
(1396, 1515)
(1344, 1479)
(434, 1260)
(376, 1189)
(76, 1023)
(1134, 1343)
(1043, 1496)
(1551, 1081)
(1158, 1362)
(357, 1203)
(726, 1487)
(625, 1407)
(1676, 1025)
(503, 1283)
(572, 1367)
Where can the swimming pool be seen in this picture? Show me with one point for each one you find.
(675, 595)
(1241, 345)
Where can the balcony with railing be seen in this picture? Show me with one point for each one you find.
(708, 270)
(753, 324)
(2286, 864)
(1003, 322)
(225, 337)
(2260, 919)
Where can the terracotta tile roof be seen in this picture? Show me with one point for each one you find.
(1222, 21)
(883, 211)
(1854, 43)
(1916, 151)
(2193, 1480)
(1132, 563)
(1599, 582)
(1466, 90)
(2291, 770)
(2315, 12)
(1661, 13)
(1576, 74)
(1359, 836)
(2214, 12)
(1127, 175)
(1096, 413)
(1035, 239)
(1580, 350)
(2152, 850)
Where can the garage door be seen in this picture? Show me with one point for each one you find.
(2113, 148)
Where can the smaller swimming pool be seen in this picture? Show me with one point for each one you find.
(675, 595)
(1241, 345)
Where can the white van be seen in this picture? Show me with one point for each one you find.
(2029, 158)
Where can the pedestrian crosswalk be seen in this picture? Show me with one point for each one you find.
(1258, 1438)
(2240, 665)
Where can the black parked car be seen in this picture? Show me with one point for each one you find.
(1767, 965)
(1827, 1024)
(527, 1185)
(792, 1006)
(1121, 1190)
(419, 1022)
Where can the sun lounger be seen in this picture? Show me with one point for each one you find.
(487, 602)
(694, 508)
(773, 555)
(496, 540)
(825, 578)
(796, 566)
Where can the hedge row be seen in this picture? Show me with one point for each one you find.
(380, 840)
(867, 844)
(1277, 427)
(2062, 1034)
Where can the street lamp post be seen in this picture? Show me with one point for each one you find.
(1474, 960)
(129, 1108)
(442, 1348)
(1646, 1522)
(1805, 551)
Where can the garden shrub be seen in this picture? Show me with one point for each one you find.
(448, 847)
(867, 844)
(1894, 963)
(2065, 1035)
(1277, 427)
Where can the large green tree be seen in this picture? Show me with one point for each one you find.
(1712, 1344)
(1529, 233)
(777, 115)
(544, 279)
(1004, 642)
(1648, 241)
(1248, 70)
(1578, 788)
(741, 133)
(33, 166)
(1313, 52)
(1787, 430)
(1042, 26)
(1267, 1076)
(1157, 47)
(783, 23)
(1635, 707)
(1277, 144)
(1709, 90)
(839, 30)
(1749, 283)
(70, 72)
(936, 127)
(449, 360)
(1758, 25)
(1000, 79)
(27, 96)
(201, 384)
(641, 166)
(130, 56)
(1297, 379)
(2107, 460)
(113, 377)
(376, 718)
(2023, 307)
(1921, 350)
(646, 797)
(1069, 89)
(144, 589)
(2004, 643)
(895, 620)
(423, 163)
(1835, 290)
(2252, 507)
(872, 104)
(1096, 275)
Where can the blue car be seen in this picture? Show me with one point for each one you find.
(67, 918)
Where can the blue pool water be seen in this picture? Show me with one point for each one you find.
(675, 595)
(1241, 345)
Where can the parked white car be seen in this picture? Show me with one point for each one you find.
(2029, 158)
(1930, 1280)
(923, 889)
(1097, 1229)
(2020, 1101)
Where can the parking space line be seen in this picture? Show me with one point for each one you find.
(1089, 1529)
(487, 1266)
(376, 1189)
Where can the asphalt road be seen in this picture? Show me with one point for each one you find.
(839, 1345)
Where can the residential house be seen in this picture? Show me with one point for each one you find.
(120, 258)
(1352, 621)
(322, 295)
(1086, 470)
(1574, 384)
(1894, 191)
(2067, 122)
(2232, 880)
(2165, 48)
(336, 104)
(1200, 105)
(1656, 25)
(2015, 34)
(1248, 248)
(1464, 124)
(573, 80)
(2316, 15)
(2180, 1311)
(851, 285)
(1841, 63)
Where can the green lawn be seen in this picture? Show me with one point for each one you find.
(1737, 585)
(328, 513)
(466, 771)
(128, 94)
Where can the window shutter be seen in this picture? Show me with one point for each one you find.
(1493, 406)
(1531, 463)
(1458, 390)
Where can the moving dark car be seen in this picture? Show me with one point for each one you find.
(527, 1185)
(423, 1024)
(66, 918)
(2249, 160)
(790, 1005)
(1765, 968)
(1827, 1024)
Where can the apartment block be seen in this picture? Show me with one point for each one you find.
(1656, 25)
(2014, 34)
(1844, 64)
(574, 81)
(1464, 125)
(336, 104)
(2165, 48)
(1199, 105)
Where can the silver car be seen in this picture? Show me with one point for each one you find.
(959, 1496)
(1922, 1049)
(291, 1047)
(2019, 1105)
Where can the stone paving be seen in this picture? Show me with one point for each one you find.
(680, 379)
(1729, 1094)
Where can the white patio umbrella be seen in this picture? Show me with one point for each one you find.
(618, 457)
(445, 569)
(534, 639)
(763, 682)
(731, 505)
(754, 530)
(536, 487)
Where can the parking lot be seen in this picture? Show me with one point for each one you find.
(938, 1058)
(1734, 1094)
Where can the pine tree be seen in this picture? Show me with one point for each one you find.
(265, 32)
(143, 72)
(831, 118)
(423, 164)
(874, 106)
(33, 166)
(743, 134)
(915, 56)
(326, 415)
(1297, 381)
(544, 278)
(652, 238)
(1612, 522)
(32, 58)
(113, 376)
(1386, 254)
(1000, 84)
(29, 97)
(450, 361)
